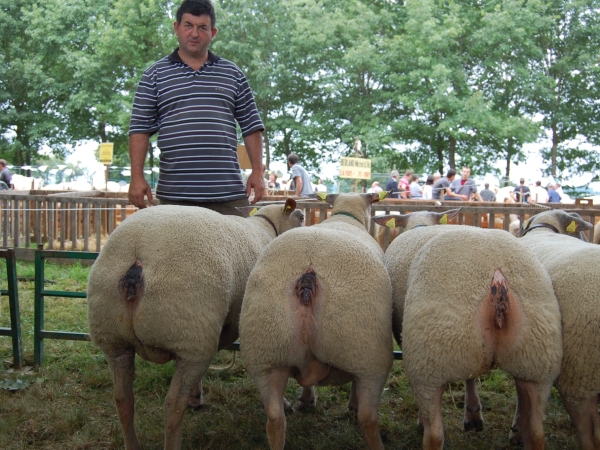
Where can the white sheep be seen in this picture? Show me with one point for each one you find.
(573, 267)
(168, 285)
(470, 300)
(317, 308)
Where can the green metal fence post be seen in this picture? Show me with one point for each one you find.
(13, 301)
(38, 307)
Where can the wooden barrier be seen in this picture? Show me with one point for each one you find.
(81, 221)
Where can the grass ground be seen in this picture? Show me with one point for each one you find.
(68, 402)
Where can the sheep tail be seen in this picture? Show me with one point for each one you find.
(131, 285)
(306, 287)
(499, 298)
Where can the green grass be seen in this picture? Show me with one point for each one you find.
(68, 404)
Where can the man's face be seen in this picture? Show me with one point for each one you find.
(465, 173)
(194, 34)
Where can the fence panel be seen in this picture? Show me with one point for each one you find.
(13, 301)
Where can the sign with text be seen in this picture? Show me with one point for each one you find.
(106, 152)
(358, 168)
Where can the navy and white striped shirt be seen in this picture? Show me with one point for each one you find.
(195, 114)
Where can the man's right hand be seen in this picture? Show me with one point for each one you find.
(137, 190)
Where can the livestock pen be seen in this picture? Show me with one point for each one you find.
(81, 221)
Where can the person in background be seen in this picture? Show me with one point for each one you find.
(273, 184)
(553, 196)
(415, 188)
(299, 177)
(196, 124)
(375, 188)
(521, 192)
(428, 188)
(404, 184)
(486, 194)
(320, 187)
(5, 175)
(465, 187)
(392, 184)
(538, 194)
(444, 183)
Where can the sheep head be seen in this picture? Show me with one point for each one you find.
(357, 206)
(416, 219)
(283, 217)
(558, 221)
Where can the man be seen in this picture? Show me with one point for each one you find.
(5, 176)
(553, 196)
(444, 183)
(300, 177)
(465, 188)
(404, 184)
(486, 194)
(320, 187)
(392, 184)
(538, 194)
(521, 192)
(193, 99)
(375, 188)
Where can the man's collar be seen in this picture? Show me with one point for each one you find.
(174, 57)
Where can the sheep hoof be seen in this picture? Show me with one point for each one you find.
(199, 407)
(476, 425)
(287, 406)
(515, 436)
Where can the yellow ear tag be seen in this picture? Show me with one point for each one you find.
(382, 195)
(444, 219)
(322, 196)
(391, 223)
(254, 211)
(286, 209)
(572, 227)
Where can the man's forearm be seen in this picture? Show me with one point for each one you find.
(254, 148)
(138, 148)
(298, 182)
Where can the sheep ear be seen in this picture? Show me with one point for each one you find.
(391, 220)
(326, 198)
(248, 211)
(573, 223)
(444, 218)
(377, 197)
(290, 205)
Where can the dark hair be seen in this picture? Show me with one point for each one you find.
(487, 185)
(429, 179)
(197, 8)
(450, 173)
(414, 177)
(293, 158)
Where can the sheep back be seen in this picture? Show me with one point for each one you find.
(447, 283)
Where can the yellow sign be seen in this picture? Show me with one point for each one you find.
(358, 168)
(106, 152)
(243, 157)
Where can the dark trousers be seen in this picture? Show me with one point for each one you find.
(226, 208)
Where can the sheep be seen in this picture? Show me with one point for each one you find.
(318, 308)
(168, 285)
(497, 310)
(573, 267)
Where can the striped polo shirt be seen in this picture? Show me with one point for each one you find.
(195, 114)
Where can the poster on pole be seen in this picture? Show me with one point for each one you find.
(357, 168)
(106, 152)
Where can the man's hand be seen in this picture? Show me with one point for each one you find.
(257, 182)
(139, 188)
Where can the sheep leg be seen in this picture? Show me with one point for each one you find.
(271, 387)
(353, 402)
(473, 416)
(186, 378)
(307, 398)
(429, 401)
(196, 400)
(585, 418)
(122, 370)
(368, 396)
(528, 422)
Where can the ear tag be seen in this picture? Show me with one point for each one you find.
(382, 195)
(391, 223)
(286, 209)
(254, 211)
(572, 227)
(444, 219)
(322, 196)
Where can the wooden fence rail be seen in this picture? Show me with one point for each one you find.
(81, 221)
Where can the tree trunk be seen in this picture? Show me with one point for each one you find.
(267, 149)
(452, 152)
(554, 149)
